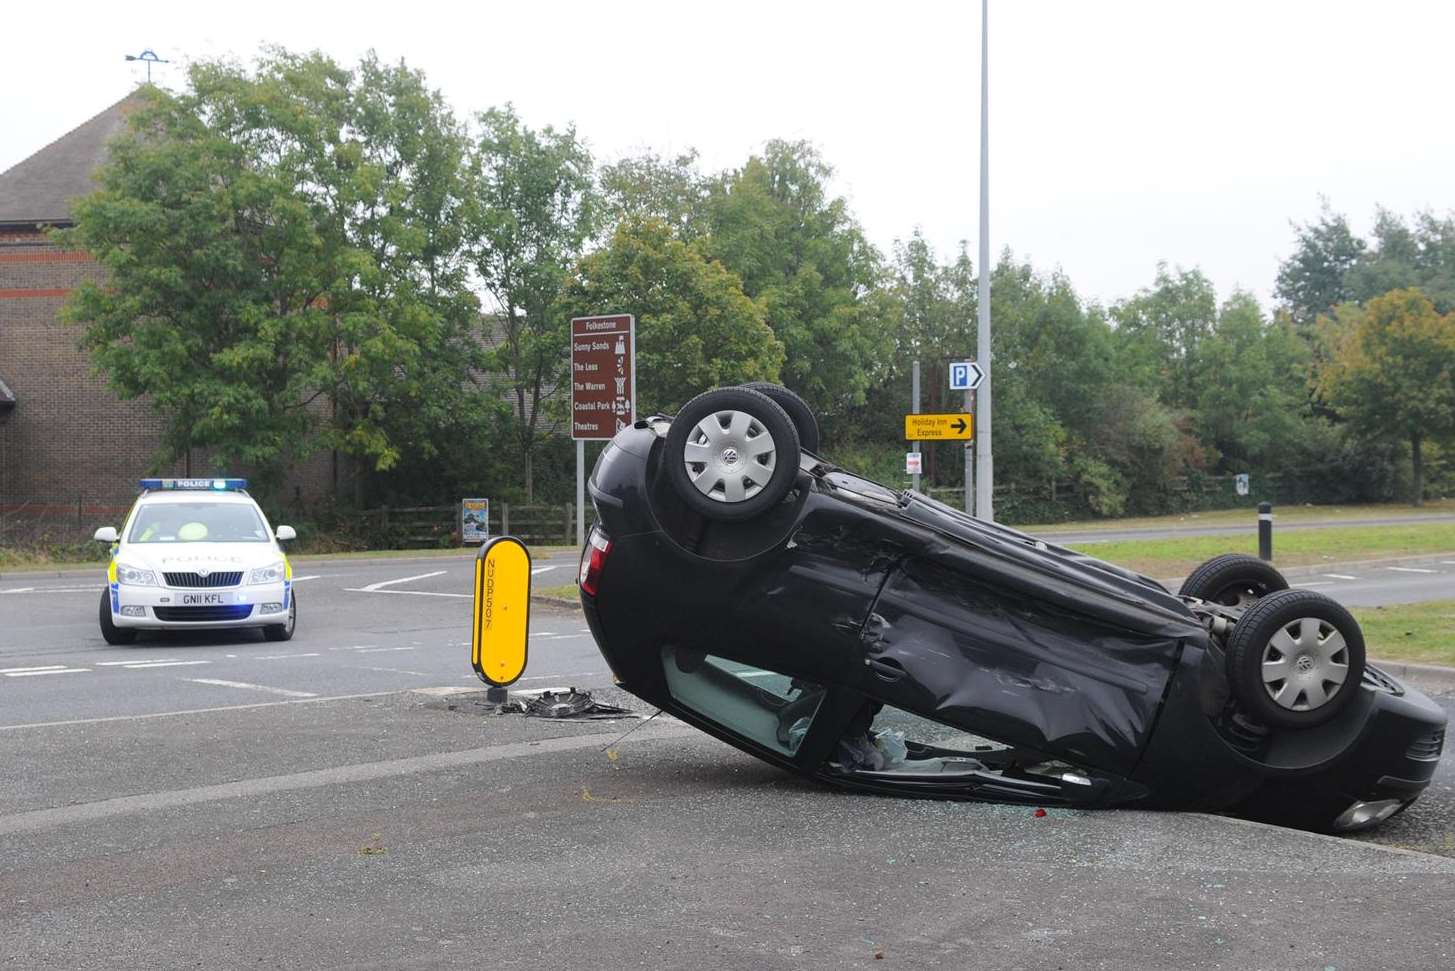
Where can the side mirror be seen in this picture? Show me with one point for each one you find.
(106, 534)
(286, 533)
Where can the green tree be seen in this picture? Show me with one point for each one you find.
(1163, 329)
(648, 186)
(1391, 370)
(533, 210)
(696, 329)
(1312, 280)
(806, 263)
(1404, 256)
(1253, 404)
(276, 241)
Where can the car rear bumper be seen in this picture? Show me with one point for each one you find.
(157, 608)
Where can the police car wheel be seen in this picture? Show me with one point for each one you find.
(284, 632)
(109, 631)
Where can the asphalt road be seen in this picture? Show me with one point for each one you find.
(339, 801)
(369, 626)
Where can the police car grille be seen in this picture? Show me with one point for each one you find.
(203, 614)
(195, 580)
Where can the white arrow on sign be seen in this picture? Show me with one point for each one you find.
(965, 375)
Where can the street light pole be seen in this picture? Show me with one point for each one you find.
(985, 471)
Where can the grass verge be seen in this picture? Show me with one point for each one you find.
(1422, 633)
(564, 591)
(1249, 517)
(1336, 544)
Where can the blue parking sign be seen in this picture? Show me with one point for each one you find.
(965, 375)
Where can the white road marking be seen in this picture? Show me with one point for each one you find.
(289, 692)
(18, 590)
(33, 667)
(371, 588)
(574, 674)
(409, 593)
(148, 665)
(195, 711)
(31, 674)
(376, 650)
(542, 569)
(1313, 583)
(1410, 569)
(279, 657)
(311, 576)
(1340, 576)
(420, 674)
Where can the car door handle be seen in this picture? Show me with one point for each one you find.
(885, 670)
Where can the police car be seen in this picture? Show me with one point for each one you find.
(196, 554)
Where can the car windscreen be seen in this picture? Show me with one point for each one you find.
(197, 522)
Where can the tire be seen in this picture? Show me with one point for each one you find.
(1234, 580)
(1295, 659)
(732, 454)
(109, 631)
(284, 632)
(797, 410)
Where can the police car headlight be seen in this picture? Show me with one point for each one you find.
(135, 576)
(268, 574)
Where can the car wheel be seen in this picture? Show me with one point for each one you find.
(109, 631)
(284, 631)
(1234, 580)
(732, 453)
(797, 410)
(1295, 659)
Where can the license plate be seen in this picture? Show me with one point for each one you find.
(205, 599)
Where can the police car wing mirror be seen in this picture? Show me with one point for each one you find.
(285, 533)
(106, 534)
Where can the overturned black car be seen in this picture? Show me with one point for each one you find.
(880, 640)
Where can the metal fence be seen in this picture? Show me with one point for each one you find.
(412, 527)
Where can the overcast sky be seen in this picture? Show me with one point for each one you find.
(1122, 133)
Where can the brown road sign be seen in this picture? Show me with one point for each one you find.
(929, 428)
(603, 375)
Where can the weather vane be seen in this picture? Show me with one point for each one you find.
(150, 57)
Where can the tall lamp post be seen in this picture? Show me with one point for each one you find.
(985, 468)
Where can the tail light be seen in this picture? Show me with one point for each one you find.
(593, 560)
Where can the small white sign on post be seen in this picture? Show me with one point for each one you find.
(913, 463)
(1240, 483)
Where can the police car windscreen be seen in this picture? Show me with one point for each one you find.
(197, 522)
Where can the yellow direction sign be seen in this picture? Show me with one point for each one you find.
(502, 611)
(929, 428)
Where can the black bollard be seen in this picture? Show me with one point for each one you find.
(1265, 531)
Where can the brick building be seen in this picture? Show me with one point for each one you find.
(68, 446)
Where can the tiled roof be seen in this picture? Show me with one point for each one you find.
(40, 188)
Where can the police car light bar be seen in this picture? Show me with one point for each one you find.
(194, 485)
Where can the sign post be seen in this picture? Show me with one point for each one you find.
(603, 389)
(501, 627)
(914, 465)
(966, 376)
